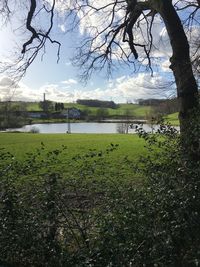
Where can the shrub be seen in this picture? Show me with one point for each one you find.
(46, 215)
(34, 130)
(172, 183)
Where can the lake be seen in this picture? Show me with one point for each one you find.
(81, 127)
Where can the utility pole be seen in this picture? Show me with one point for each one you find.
(68, 122)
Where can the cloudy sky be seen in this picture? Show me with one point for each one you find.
(60, 81)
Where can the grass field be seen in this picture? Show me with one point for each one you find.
(33, 106)
(119, 161)
(21, 143)
(133, 110)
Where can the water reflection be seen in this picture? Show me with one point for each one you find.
(82, 127)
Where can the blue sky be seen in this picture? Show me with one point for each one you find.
(60, 81)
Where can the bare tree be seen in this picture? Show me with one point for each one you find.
(37, 35)
(123, 31)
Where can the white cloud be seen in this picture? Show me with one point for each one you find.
(120, 89)
(62, 27)
(142, 85)
(19, 92)
(24, 93)
(69, 82)
(7, 82)
(67, 63)
(121, 79)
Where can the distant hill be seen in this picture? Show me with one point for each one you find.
(116, 111)
(120, 111)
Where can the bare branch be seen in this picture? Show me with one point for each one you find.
(122, 34)
(29, 27)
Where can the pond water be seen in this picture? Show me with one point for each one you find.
(82, 127)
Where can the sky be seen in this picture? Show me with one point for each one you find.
(61, 82)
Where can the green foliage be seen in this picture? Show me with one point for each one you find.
(12, 114)
(46, 105)
(190, 138)
(156, 223)
(174, 198)
(102, 113)
(47, 219)
(97, 103)
(58, 106)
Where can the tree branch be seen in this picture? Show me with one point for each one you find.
(29, 27)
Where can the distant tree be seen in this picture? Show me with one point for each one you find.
(122, 127)
(161, 106)
(102, 113)
(150, 102)
(59, 106)
(127, 114)
(97, 103)
(86, 114)
(46, 106)
(5, 109)
(62, 107)
(12, 114)
(56, 106)
(167, 106)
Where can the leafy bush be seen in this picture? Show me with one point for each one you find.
(46, 218)
(174, 198)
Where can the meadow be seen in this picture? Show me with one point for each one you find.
(132, 110)
(21, 143)
(127, 147)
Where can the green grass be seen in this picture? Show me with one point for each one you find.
(133, 110)
(33, 106)
(173, 118)
(20, 143)
(118, 163)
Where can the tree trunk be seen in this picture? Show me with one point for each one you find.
(187, 90)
